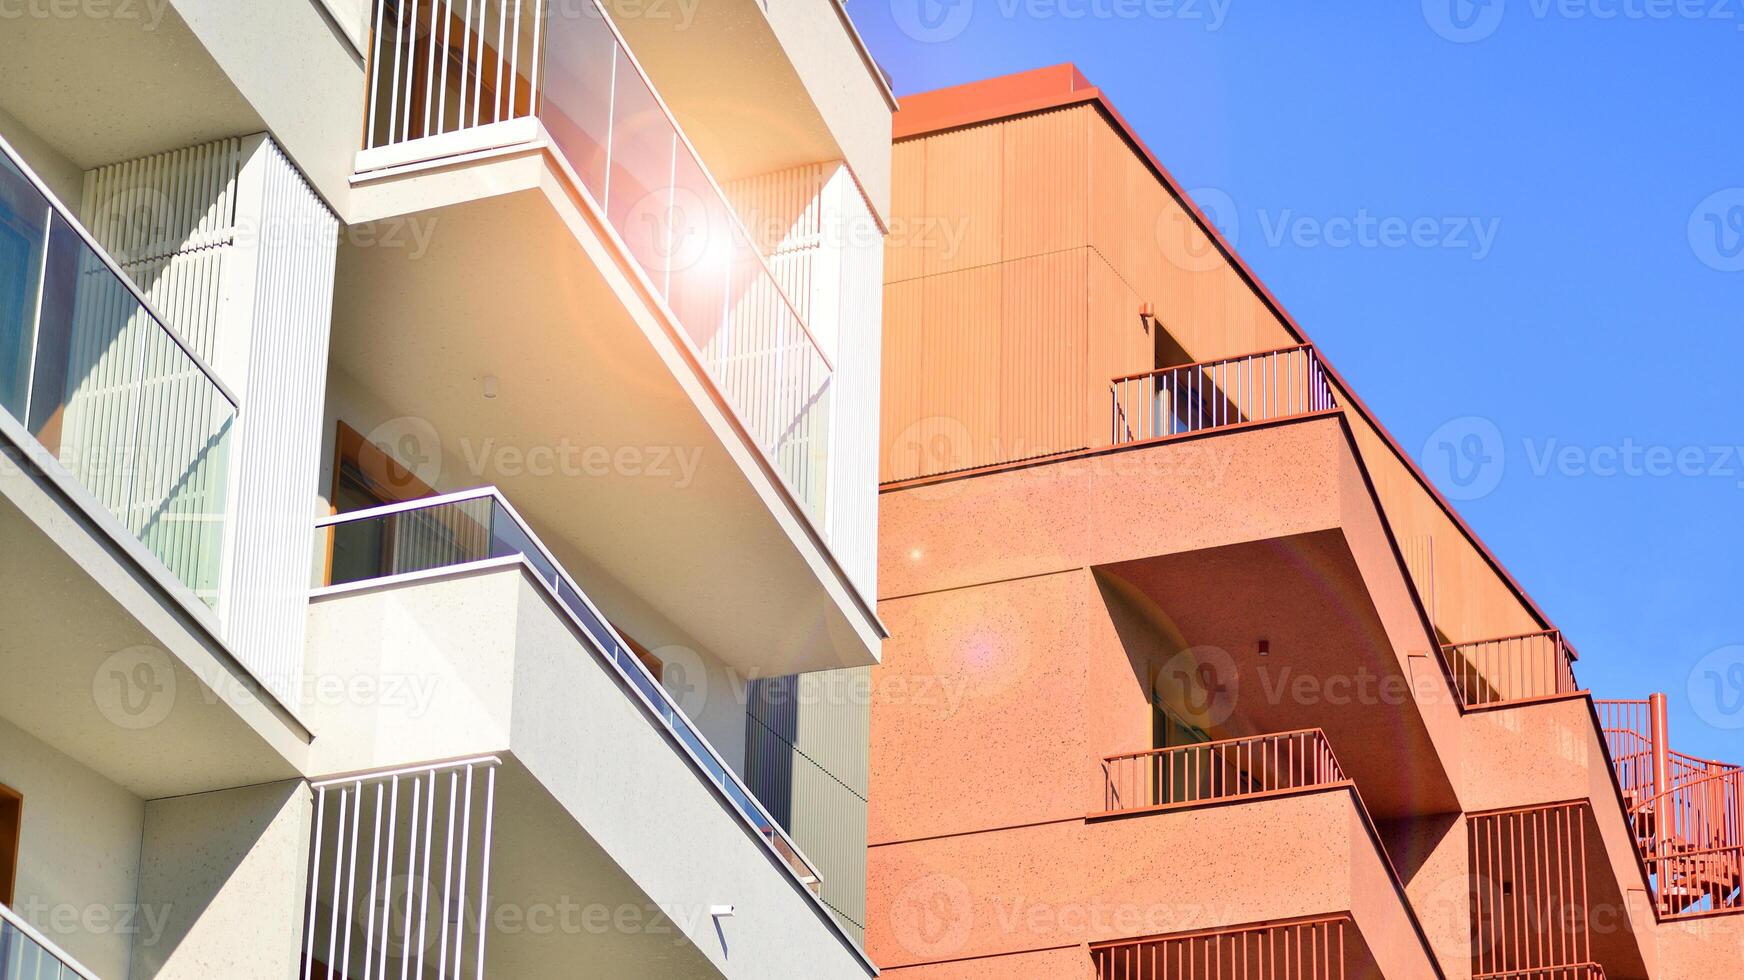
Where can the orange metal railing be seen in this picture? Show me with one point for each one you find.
(1529, 902)
(1581, 971)
(1229, 769)
(1511, 668)
(1686, 813)
(1309, 949)
(1261, 387)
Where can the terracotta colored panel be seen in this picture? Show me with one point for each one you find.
(1042, 356)
(1119, 341)
(961, 341)
(904, 246)
(964, 197)
(1046, 176)
(904, 372)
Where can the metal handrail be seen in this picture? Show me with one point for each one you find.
(1513, 676)
(97, 249)
(1212, 362)
(619, 656)
(29, 932)
(1226, 769)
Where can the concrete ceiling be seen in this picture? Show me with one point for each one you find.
(100, 90)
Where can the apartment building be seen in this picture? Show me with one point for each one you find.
(1192, 673)
(439, 500)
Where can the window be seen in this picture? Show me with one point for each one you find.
(11, 829)
(365, 476)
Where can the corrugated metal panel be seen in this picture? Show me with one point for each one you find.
(807, 740)
(960, 340)
(964, 191)
(1045, 170)
(859, 297)
(1043, 356)
(902, 454)
(904, 250)
(279, 440)
(236, 251)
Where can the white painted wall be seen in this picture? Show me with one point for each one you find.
(228, 872)
(78, 854)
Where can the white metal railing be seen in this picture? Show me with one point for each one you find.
(442, 66)
(26, 954)
(479, 526)
(106, 387)
(1261, 387)
(399, 873)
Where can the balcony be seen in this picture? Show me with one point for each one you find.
(458, 593)
(1229, 769)
(1512, 670)
(628, 310)
(26, 954)
(1231, 393)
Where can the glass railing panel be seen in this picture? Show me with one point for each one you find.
(23, 958)
(678, 227)
(177, 496)
(577, 94)
(107, 390)
(417, 540)
(24, 220)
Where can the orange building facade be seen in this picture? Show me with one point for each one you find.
(1192, 673)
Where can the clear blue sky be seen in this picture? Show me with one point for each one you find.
(1600, 148)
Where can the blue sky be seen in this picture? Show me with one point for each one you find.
(1561, 346)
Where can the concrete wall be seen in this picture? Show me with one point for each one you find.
(228, 870)
(78, 857)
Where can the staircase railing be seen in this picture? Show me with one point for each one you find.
(26, 954)
(1686, 812)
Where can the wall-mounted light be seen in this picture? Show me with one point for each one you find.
(1265, 648)
(488, 384)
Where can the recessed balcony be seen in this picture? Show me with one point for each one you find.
(1512, 669)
